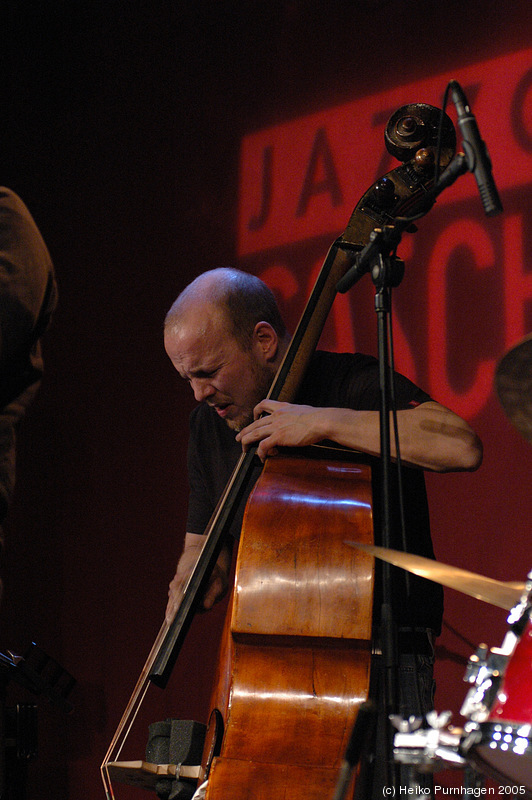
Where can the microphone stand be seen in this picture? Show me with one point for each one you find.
(387, 272)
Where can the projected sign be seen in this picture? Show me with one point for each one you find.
(467, 292)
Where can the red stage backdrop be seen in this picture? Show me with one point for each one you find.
(301, 180)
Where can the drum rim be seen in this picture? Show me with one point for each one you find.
(491, 734)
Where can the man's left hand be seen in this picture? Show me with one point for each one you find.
(281, 425)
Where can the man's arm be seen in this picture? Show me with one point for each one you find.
(430, 436)
(218, 582)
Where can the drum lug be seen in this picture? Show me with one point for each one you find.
(484, 671)
(427, 748)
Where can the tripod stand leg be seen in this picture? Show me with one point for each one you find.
(361, 735)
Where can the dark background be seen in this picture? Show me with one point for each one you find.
(120, 128)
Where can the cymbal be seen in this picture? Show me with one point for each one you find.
(498, 593)
(513, 382)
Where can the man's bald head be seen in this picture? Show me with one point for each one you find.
(241, 298)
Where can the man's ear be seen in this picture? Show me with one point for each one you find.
(265, 341)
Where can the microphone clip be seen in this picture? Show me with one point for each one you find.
(386, 270)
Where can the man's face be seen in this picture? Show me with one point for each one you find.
(219, 371)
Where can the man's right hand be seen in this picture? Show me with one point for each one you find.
(218, 581)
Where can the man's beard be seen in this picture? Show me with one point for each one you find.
(263, 382)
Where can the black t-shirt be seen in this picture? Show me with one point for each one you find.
(341, 381)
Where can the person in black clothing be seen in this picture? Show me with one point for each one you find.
(28, 296)
(225, 336)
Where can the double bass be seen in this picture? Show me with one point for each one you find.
(295, 658)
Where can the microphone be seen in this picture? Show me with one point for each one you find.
(477, 156)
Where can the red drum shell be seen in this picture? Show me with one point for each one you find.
(501, 747)
(513, 702)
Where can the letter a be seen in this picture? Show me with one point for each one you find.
(321, 152)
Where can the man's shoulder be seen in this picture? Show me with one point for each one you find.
(324, 359)
(205, 424)
(332, 378)
(200, 417)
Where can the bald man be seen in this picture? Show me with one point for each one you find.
(225, 336)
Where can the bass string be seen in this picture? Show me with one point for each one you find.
(130, 713)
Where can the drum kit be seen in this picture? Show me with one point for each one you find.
(496, 740)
